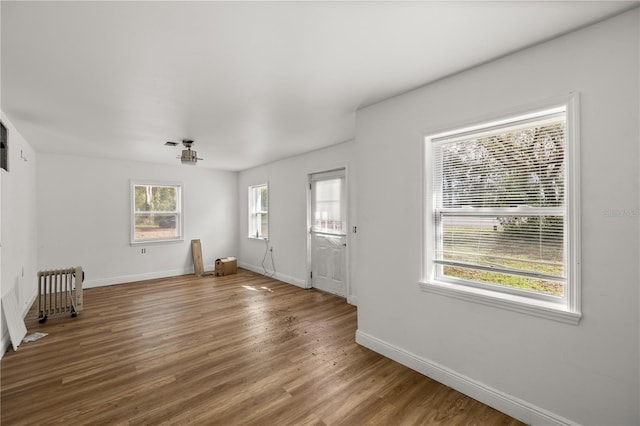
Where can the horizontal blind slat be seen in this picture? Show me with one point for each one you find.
(499, 199)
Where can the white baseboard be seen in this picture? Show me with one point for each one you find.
(279, 276)
(508, 404)
(88, 283)
(352, 300)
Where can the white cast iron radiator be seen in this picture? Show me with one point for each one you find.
(59, 291)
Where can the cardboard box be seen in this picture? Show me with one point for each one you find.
(226, 266)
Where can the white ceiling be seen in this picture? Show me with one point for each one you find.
(250, 82)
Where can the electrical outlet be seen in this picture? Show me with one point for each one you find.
(143, 251)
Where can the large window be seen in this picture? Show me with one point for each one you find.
(502, 212)
(259, 211)
(156, 213)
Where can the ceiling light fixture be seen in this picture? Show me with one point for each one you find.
(188, 156)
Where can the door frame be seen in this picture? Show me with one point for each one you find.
(347, 200)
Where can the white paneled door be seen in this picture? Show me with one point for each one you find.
(328, 231)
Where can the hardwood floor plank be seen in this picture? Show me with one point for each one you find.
(238, 349)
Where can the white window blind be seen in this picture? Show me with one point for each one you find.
(499, 207)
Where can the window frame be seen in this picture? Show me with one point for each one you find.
(253, 213)
(179, 212)
(566, 309)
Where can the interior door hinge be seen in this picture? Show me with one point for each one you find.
(311, 274)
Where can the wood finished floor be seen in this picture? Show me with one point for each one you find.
(241, 349)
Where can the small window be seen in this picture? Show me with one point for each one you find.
(4, 148)
(157, 212)
(259, 211)
(328, 206)
(501, 219)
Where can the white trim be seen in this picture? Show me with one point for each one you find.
(574, 255)
(278, 275)
(504, 114)
(501, 401)
(329, 174)
(492, 127)
(510, 302)
(123, 279)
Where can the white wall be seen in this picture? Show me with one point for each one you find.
(84, 218)
(536, 369)
(288, 180)
(18, 235)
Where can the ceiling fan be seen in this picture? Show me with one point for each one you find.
(188, 156)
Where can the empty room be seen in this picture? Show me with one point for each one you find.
(320, 212)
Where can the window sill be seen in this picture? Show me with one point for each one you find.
(509, 302)
(163, 241)
(258, 238)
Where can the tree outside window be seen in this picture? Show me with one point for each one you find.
(501, 217)
(157, 212)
